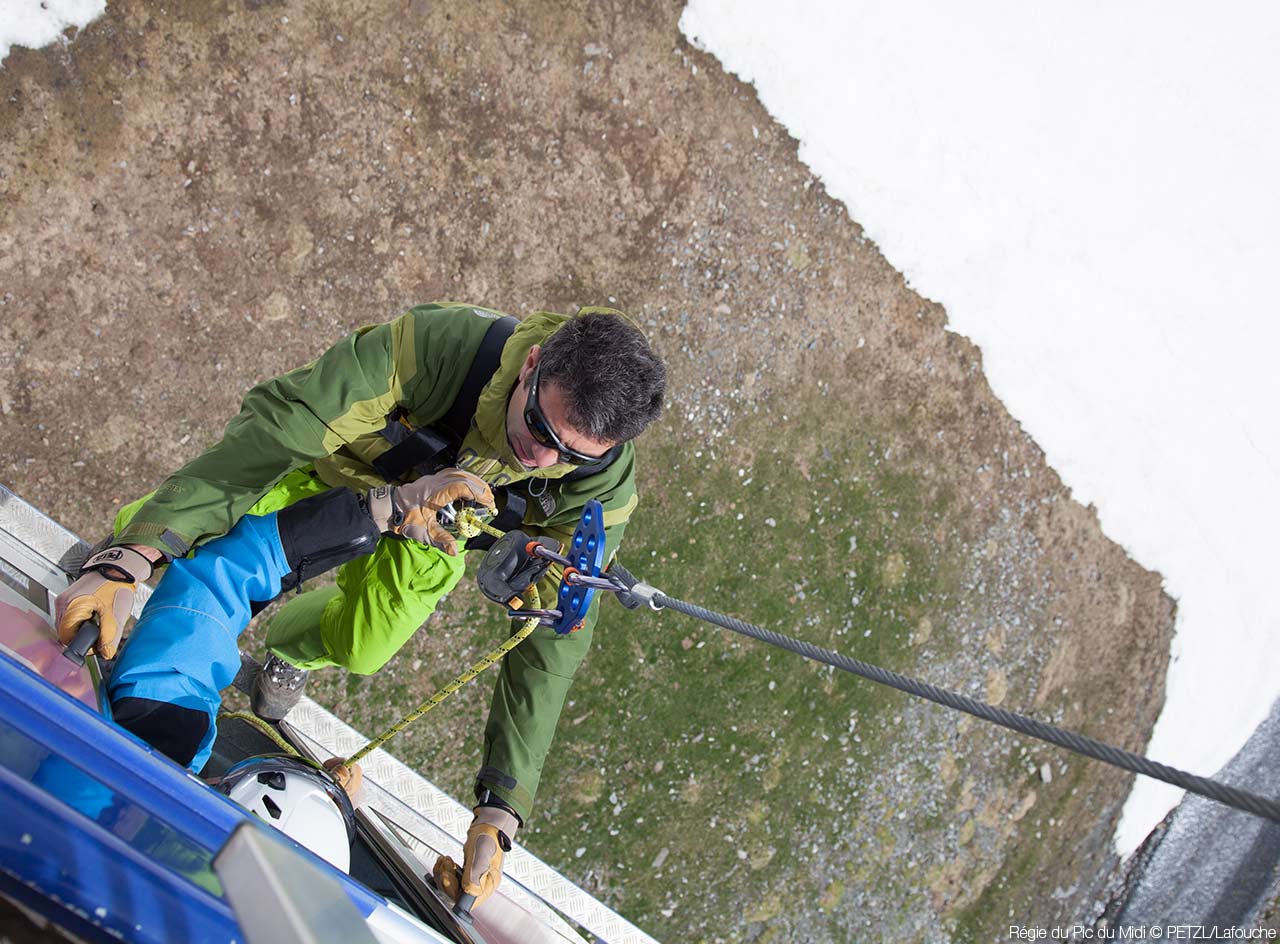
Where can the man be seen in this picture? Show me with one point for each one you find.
(553, 425)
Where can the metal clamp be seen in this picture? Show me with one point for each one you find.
(640, 594)
(585, 554)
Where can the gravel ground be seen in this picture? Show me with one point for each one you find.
(198, 195)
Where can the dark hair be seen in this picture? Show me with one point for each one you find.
(611, 379)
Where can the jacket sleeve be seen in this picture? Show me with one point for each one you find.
(283, 424)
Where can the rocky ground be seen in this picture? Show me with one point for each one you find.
(197, 195)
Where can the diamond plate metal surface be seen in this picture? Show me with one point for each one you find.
(39, 532)
(44, 537)
(445, 828)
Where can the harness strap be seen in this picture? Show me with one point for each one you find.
(422, 451)
(484, 365)
(435, 447)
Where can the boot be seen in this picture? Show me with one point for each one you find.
(277, 689)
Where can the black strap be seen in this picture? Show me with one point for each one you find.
(435, 447)
(591, 468)
(418, 450)
(483, 366)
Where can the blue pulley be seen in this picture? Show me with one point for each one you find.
(586, 554)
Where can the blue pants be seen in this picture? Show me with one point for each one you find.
(184, 651)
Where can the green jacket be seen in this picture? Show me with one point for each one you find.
(330, 414)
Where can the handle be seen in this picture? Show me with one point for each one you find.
(462, 909)
(85, 637)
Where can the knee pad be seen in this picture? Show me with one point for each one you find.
(323, 531)
(173, 730)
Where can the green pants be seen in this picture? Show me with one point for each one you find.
(380, 600)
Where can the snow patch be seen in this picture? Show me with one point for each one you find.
(36, 23)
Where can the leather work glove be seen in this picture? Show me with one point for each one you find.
(348, 777)
(487, 839)
(410, 510)
(105, 589)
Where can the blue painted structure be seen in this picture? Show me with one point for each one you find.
(106, 837)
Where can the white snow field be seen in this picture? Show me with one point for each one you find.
(1091, 190)
(36, 23)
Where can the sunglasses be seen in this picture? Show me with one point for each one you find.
(541, 430)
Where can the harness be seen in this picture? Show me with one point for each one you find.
(428, 449)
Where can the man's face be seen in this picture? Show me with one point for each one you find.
(529, 452)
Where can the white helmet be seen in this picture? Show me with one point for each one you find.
(298, 798)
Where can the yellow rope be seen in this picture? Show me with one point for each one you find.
(272, 733)
(489, 659)
(469, 524)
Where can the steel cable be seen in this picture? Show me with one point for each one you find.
(1078, 743)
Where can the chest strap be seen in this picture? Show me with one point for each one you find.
(418, 452)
